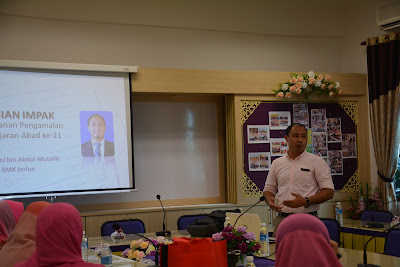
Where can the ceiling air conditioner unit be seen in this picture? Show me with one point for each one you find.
(388, 16)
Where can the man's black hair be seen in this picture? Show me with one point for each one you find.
(95, 115)
(288, 129)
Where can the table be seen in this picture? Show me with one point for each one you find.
(354, 235)
(350, 257)
(116, 260)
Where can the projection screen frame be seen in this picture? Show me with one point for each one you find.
(69, 68)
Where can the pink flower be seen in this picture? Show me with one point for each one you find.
(298, 85)
(242, 229)
(320, 77)
(300, 78)
(280, 95)
(311, 81)
(217, 237)
(328, 77)
(293, 80)
(323, 86)
(298, 91)
(292, 88)
(340, 92)
(140, 255)
(331, 93)
(330, 86)
(288, 95)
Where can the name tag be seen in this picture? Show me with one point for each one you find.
(305, 170)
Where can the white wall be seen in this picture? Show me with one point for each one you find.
(291, 35)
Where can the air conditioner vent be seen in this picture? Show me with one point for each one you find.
(388, 16)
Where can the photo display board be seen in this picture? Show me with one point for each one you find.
(332, 135)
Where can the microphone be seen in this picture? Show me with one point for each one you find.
(163, 232)
(261, 199)
(365, 264)
(116, 226)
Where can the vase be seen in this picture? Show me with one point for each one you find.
(233, 259)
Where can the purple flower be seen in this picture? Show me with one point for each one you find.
(125, 252)
(256, 247)
(242, 247)
(242, 229)
(249, 236)
(228, 229)
(155, 242)
(152, 253)
(230, 236)
(217, 236)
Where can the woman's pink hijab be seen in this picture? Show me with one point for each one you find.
(58, 238)
(22, 241)
(10, 212)
(303, 240)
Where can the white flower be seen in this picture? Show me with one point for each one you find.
(337, 85)
(304, 85)
(311, 74)
(285, 87)
(317, 83)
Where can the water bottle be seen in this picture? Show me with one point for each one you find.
(249, 262)
(339, 213)
(84, 247)
(106, 255)
(264, 240)
(227, 222)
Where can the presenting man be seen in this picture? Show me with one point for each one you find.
(300, 180)
(97, 146)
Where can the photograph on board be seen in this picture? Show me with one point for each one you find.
(279, 120)
(257, 134)
(259, 161)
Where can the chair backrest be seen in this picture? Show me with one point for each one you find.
(130, 226)
(377, 216)
(333, 228)
(392, 243)
(185, 220)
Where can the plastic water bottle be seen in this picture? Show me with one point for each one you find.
(249, 262)
(339, 213)
(227, 222)
(84, 247)
(264, 240)
(106, 255)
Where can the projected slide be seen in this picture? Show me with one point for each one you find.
(63, 132)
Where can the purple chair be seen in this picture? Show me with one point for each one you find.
(377, 216)
(333, 228)
(130, 226)
(185, 220)
(392, 242)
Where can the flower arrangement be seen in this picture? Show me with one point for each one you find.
(306, 84)
(396, 220)
(367, 199)
(141, 248)
(238, 240)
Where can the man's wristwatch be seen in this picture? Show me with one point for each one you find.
(307, 202)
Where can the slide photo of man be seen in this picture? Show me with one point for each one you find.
(97, 134)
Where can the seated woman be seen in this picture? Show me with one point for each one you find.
(303, 240)
(22, 241)
(58, 238)
(10, 212)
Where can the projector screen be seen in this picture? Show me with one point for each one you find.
(64, 132)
